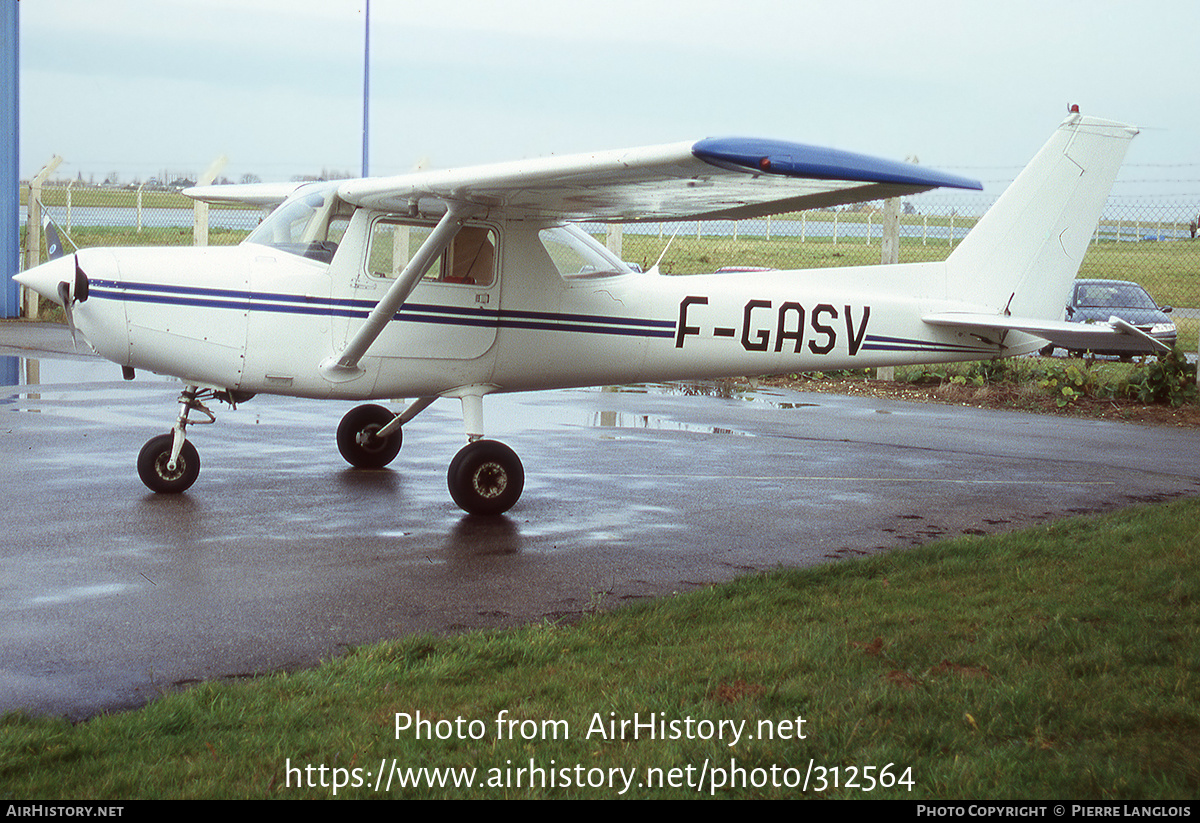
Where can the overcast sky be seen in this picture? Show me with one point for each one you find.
(139, 86)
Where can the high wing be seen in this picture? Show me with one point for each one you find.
(715, 178)
(243, 194)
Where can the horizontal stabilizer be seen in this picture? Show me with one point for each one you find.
(1073, 336)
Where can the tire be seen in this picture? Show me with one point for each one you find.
(376, 452)
(152, 465)
(486, 477)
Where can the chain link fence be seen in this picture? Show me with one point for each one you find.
(1147, 240)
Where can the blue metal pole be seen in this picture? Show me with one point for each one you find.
(366, 83)
(10, 179)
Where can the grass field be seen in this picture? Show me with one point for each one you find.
(1059, 662)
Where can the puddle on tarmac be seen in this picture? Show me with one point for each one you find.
(629, 420)
(24, 379)
(721, 389)
(75, 593)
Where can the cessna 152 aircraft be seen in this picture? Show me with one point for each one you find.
(467, 282)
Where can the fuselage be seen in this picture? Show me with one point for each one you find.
(260, 318)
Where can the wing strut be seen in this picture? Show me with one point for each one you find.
(344, 367)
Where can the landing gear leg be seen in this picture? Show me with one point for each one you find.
(168, 463)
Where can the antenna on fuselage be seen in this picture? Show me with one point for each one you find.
(654, 269)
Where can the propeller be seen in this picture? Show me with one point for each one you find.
(73, 292)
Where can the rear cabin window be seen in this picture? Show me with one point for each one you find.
(470, 260)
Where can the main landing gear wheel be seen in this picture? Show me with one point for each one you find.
(154, 458)
(486, 477)
(358, 442)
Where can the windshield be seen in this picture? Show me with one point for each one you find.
(1113, 295)
(577, 255)
(309, 223)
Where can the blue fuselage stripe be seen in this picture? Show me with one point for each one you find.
(247, 301)
(875, 342)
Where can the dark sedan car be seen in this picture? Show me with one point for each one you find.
(1095, 301)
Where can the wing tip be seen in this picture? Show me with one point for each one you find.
(765, 156)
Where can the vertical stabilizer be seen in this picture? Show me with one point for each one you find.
(1023, 254)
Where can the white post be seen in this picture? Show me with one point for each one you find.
(614, 240)
(869, 224)
(33, 229)
(139, 208)
(889, 253)
(200, 210)
(72, 183)
(835, 217)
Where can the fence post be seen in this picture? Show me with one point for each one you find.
(200, 210)
(614, 238)
(889, 253)
(69, 185)
(139, 208)
(33, 229)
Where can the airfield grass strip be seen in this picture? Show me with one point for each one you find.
(1058, 662)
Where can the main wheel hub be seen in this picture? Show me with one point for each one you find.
(490, 480)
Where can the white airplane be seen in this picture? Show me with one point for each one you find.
(467, 282)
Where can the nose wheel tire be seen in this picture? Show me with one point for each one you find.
(357, 440)
(154, 458)
(486, 477)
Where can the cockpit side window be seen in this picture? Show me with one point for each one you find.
(577, 255)
(470, 260)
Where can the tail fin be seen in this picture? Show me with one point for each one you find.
(1023, 254)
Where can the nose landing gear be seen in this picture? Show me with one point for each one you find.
(168, 463)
